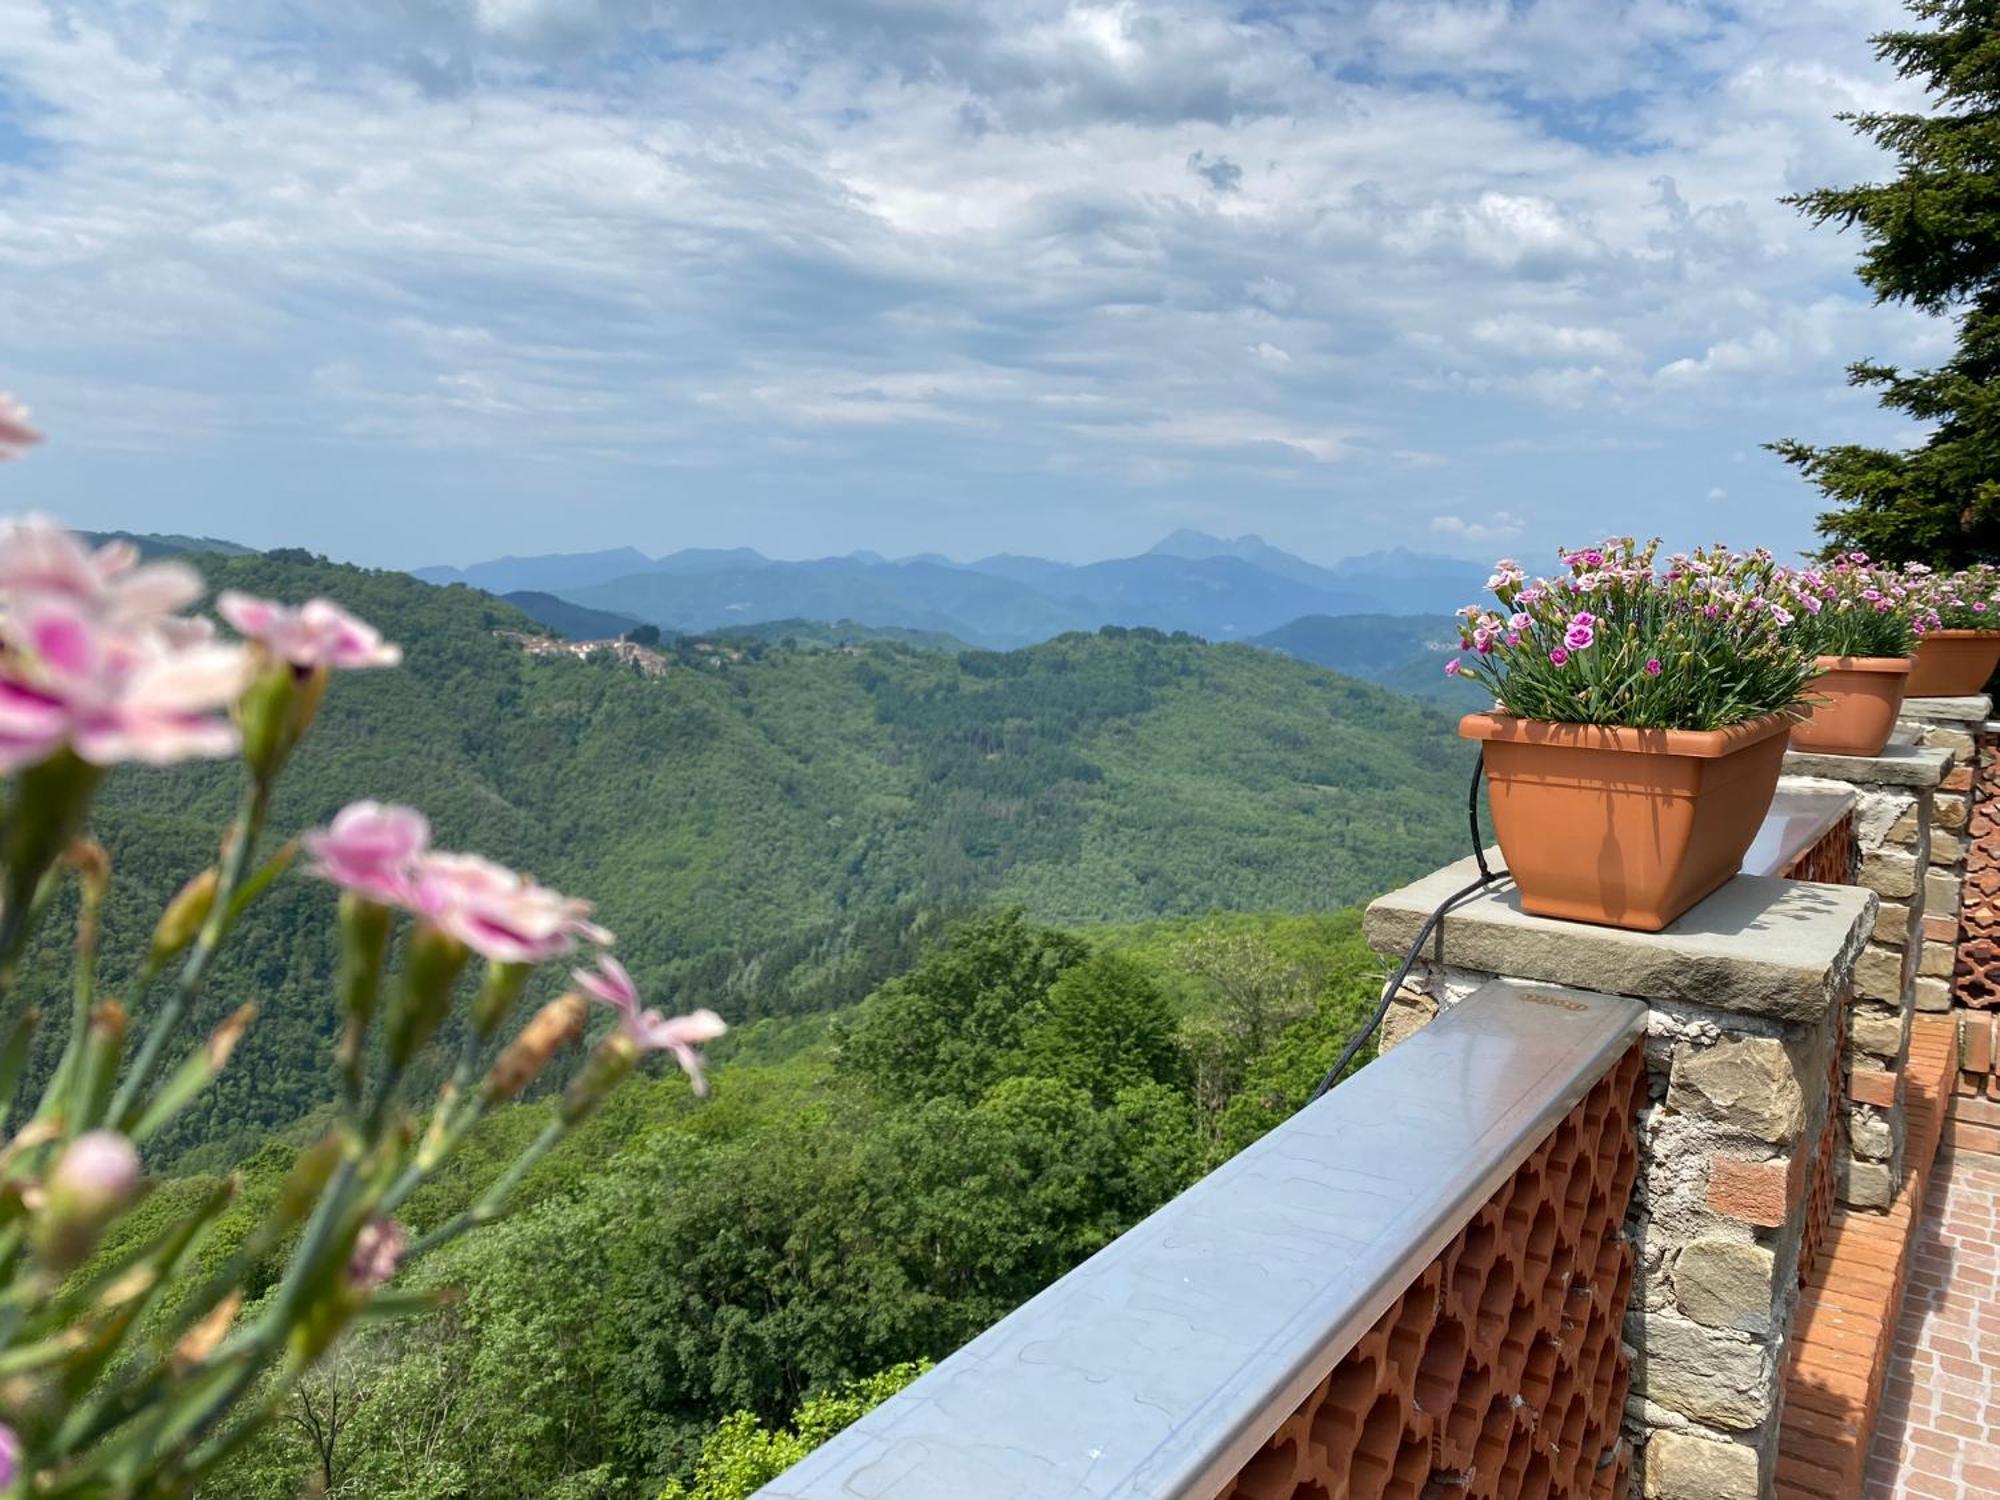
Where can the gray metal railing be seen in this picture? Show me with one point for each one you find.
(1160, 1365)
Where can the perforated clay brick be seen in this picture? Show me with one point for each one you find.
(1498, 1374)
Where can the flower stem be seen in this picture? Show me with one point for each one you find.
(494, 1199)
(243, 836)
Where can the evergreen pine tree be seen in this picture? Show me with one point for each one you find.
(1933, 241)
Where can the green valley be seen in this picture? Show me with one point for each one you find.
(772, 830)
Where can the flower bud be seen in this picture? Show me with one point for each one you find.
(431, 966)
(602, 1072)
(96, 1176)
(554, 1026)
(263, 712)
(276, 710)
(498, 995)
(97, 1067)
(184, 915)
(202, 1340)
(91, 863)
(222, 1041)
(364, 944)
(308, 1178)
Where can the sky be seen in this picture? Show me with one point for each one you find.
(417, 281)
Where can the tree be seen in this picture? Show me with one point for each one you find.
(1933, 242)
(1103, 1027)
(644, 635)
(742, 1454)
(953, 1025)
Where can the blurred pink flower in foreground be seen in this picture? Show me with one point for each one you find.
(98, 1167)
(372, 850)
(110, 695)
(93, 657)
(42, 560)
(378, 1252)
(651, 1029)
(383, 853)
(499, 914)
(15, 433)
(319, 633)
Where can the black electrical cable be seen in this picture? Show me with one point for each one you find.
(1487, 876)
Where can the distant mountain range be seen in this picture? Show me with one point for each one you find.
(1215, 587)
(1404, 652)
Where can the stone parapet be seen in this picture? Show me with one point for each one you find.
(1746, 997)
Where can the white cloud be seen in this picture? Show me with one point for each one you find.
(986, 264)
(1496, 527)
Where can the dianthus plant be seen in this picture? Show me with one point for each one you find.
(1616, 639)
(1850, 607)
(1968, 600)
(123, 1372)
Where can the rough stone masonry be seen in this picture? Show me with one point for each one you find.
(1896, 973)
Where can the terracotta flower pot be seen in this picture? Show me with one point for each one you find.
(1862, 695)
(1954, 663)
(1625, 827)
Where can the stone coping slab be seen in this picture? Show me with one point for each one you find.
(1897, 765)
(1978, 706)
(1782, 949)
(1802, 813)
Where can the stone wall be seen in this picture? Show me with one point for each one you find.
(1962, 916)
(1893, 814)
(1956, 725)
(1745, 995)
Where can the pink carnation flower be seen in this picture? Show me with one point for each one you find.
(42, 561)
(1452, 668)
(498, 913)
(16, 436)
(1559, 656)
(108, 694)
(319, 633)
(372, 850)
(1579, 636)
(377, 1254)
(652, 1030)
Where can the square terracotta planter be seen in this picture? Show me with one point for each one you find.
(1625, 827)
(1954, 663)
(1855, 700)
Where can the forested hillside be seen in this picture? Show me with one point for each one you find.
(772, 830)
